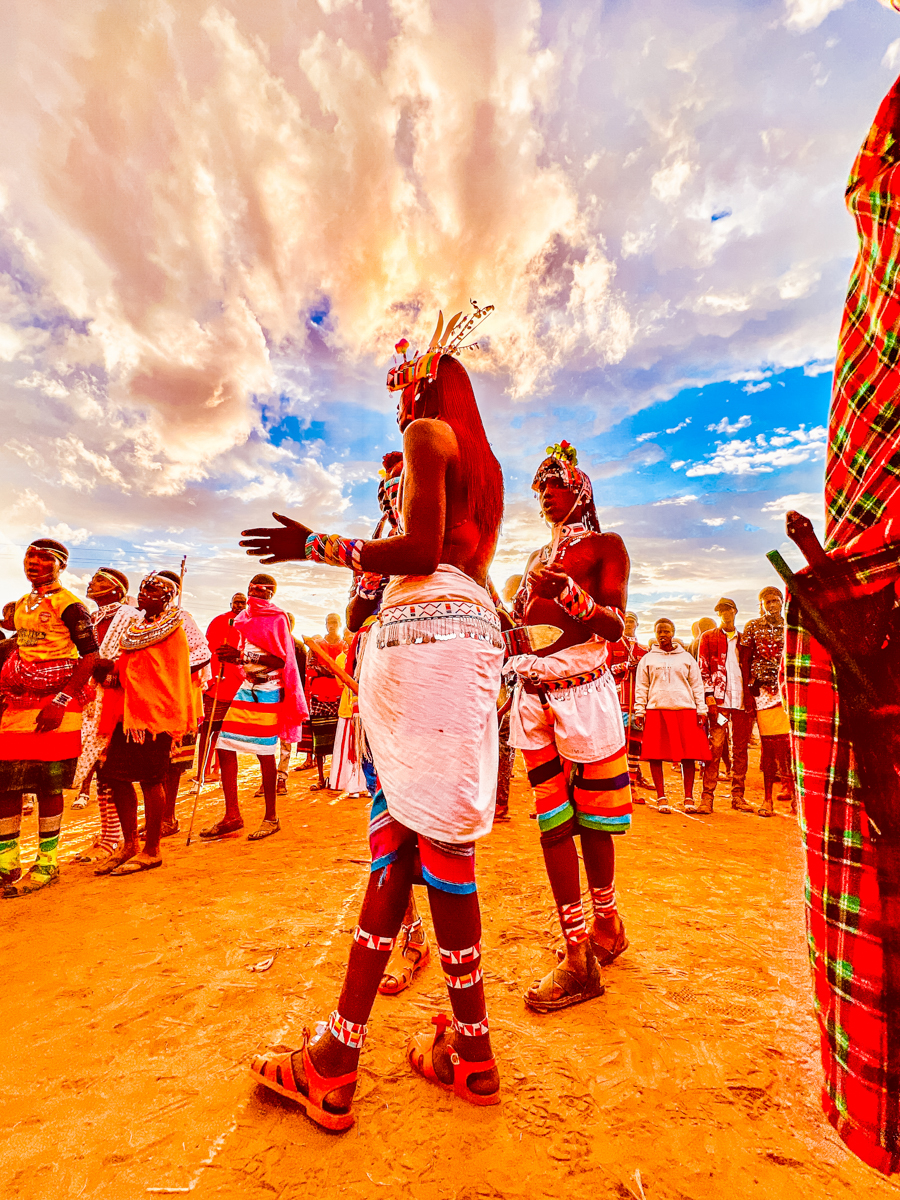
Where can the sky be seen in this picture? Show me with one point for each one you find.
(216, 219)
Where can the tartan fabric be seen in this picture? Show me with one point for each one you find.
(842, 897)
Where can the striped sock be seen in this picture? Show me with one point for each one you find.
(48, 839)
(9, 844)
(110, 829)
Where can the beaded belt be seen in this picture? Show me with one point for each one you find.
(437, 621)
(542, 687)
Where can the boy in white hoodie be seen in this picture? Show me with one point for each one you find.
(670, 707)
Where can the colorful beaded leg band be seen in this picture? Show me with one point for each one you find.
(476, 1029)
(373, 941)
(571, 917)
(454, 957)
(350, 1034)
(464, 981)
(334, 550)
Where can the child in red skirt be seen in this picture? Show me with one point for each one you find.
(670, 706)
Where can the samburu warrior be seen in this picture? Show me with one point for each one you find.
(567, 722)
(428, 691)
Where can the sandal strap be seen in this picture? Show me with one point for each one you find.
(321, 1086)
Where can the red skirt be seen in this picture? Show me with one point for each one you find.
(673, 734)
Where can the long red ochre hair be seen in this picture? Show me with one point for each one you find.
(450, 398)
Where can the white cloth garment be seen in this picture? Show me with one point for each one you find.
(585, 721)
(734, 684)
(428, 701)
(346, 773)
(92, 744)
(668, 679)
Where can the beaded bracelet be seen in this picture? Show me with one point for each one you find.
(370, 585)
(579, 605)
(61, 698)
(334, 550)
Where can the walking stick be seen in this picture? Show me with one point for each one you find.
(201, 773)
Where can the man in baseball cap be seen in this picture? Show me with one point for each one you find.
(724, 666)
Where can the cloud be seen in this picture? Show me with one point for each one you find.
(803, 15)
(681, 425)
(804, 502)
(645, 437)
(641, 456)
(674, 500)
(725, 426)
(714, 521)
(762, 455)
(750, 388)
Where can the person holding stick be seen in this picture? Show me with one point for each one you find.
(268, 706)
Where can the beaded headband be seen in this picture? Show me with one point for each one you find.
(46, 546)
(117, 583)
(561, 466)
(422, 368)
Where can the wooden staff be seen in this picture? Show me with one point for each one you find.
(201, 772)
(330, 665)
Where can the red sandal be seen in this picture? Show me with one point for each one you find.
(278, 1075)
(420, 1053)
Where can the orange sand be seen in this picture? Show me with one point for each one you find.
(129, 1017)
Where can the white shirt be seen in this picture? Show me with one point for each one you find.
(734, 684)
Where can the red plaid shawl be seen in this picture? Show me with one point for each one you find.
(843, 907)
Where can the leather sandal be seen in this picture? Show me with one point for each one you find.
(223, 828)
(277, 1074)
(561, 988)
(420, 1054)
(402, 969)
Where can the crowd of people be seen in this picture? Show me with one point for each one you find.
(423, 701)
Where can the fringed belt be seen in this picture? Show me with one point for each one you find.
(543, 686)
(437, 621)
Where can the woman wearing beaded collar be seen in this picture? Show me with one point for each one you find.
(44, 686)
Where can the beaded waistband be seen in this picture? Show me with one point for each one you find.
(542, 686)
(437, 621)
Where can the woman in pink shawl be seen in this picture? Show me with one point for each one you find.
(267, 707)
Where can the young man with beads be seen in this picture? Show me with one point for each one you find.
(567, 722)
(428, 691)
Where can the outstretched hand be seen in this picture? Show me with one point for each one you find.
(278, 545)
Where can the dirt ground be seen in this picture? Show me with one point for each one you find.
(130, 1016)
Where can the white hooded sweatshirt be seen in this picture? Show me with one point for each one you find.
(668, 679)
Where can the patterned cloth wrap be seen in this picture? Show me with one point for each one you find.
(22, 684)
(863, 505)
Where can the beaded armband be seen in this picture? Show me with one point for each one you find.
(370, 585)
(62, 699)
(581, 607)
(334, 550)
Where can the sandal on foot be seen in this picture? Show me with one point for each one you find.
(562, 988)
(666, 809)
(765, 812)
(134, 866)
(96, 853)
(319, 787)
(278, 1075)
(420, 1055)
(169, 828)
(34, 880)
(80, 801)
(605, 952)
(223, 828)
(402, 969)
(265, 830)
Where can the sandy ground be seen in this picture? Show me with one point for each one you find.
(129, 1017)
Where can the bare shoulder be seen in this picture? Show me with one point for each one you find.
(431, 439)
(608, 546)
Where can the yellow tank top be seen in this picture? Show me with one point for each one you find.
(42, 633)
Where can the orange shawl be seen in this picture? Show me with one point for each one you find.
(157, 683)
